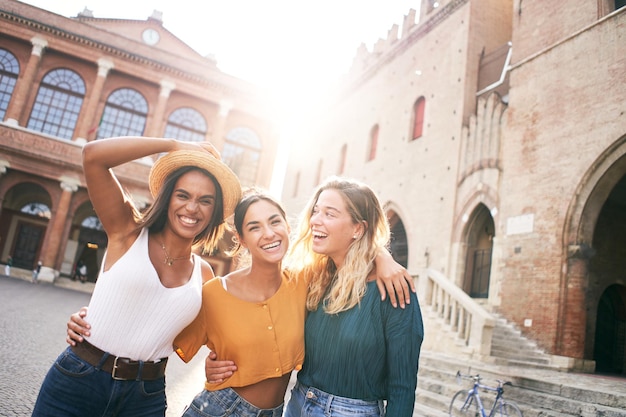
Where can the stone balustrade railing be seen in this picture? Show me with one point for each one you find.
(470, 322)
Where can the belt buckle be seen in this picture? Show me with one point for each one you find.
(115, 369)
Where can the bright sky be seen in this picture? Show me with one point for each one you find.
(293, 47)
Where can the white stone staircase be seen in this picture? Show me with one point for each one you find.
(460, 334)
(537, 392)
(510, 348)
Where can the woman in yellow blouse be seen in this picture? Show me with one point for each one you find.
(254, 315)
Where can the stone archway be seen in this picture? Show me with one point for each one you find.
(610, 336)
(595, 251)
(399, 244)
(24, 219)
(480, 231)
(607, 263)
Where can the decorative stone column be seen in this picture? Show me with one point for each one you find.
(4, 164)
(218, 136)
(52, 243)
(88, 125)
(25, 84)
(155, 128)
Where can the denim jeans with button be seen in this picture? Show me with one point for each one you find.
(226, 402)
(312, 402)
(74, 388)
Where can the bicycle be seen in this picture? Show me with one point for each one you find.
(468, 402)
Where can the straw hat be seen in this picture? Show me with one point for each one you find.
(164, 166)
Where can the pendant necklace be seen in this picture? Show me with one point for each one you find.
(169, 261)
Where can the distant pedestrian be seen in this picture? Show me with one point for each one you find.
(7, 267)
(36, 272)
(82, 273)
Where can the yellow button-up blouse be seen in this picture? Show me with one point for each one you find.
(265, 340)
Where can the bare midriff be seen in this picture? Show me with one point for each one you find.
(269, 393)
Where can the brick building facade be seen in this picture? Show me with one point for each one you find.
(495, 132)
(66, 81)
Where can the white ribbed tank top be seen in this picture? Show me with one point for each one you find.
(132, 314)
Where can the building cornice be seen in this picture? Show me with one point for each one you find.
(118, 52)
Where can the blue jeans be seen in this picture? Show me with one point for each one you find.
(74, 388)
(226, 402)
(312, 402)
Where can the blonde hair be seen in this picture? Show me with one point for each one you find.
(343, 288)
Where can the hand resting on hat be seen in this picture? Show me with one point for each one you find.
(198, 146)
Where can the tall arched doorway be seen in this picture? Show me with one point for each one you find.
(610, 341)
(479, 240)
(398, 246)
(596, 260)
(24, 219)
(607, 264)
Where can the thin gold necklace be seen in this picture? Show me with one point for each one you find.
(169, 261)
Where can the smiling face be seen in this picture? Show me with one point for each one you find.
(332, 226)
(192, 204)
(265, 232)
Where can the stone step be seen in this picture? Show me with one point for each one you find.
(521, 363)
(538, 404)
(521, 355)
(510, 347)
(503, 338)
(538, 392)
(430, 404)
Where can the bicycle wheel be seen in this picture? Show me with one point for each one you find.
(508, 409)
(463, 405)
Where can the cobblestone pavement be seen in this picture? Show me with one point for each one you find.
(33, 319)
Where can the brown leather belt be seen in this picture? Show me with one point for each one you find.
(120, 368)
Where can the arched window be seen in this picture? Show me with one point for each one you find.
(418, 118)
(92, 222)
(124, 114)
(9, 70)
(398, 244)
(36, 209)
(186, 124)
(58, 103)
(342, 158)
(241, 153)
(373, 143)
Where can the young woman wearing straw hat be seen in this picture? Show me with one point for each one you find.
(149, 286)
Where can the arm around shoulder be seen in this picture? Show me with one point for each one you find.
(404, 334)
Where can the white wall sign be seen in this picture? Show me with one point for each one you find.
(520, 224)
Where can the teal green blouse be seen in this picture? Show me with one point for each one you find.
(369, 352)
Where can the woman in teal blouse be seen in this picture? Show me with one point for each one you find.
(361, 354)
